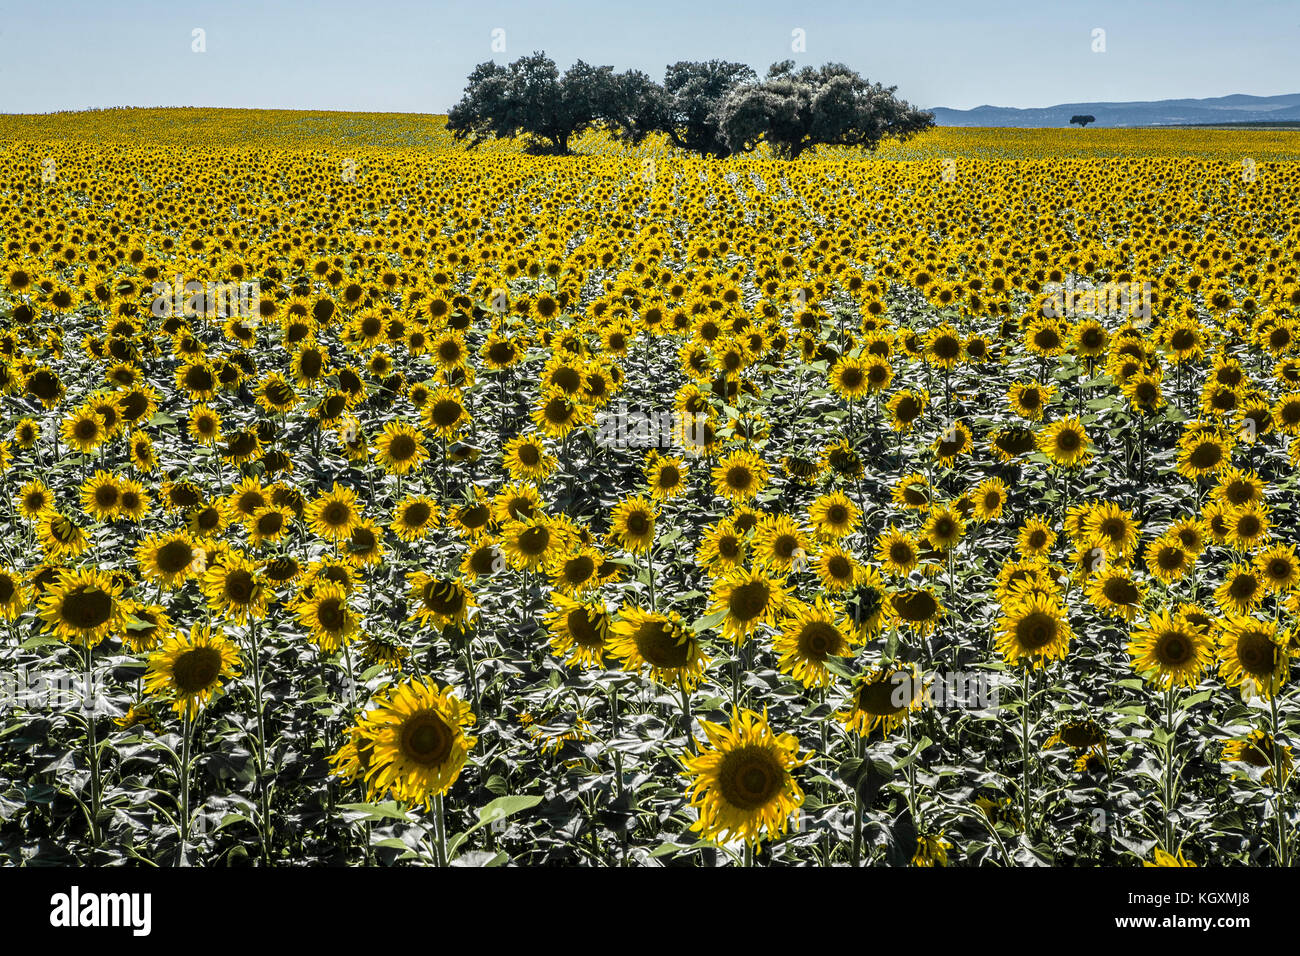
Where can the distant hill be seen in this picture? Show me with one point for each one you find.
(1226, 110)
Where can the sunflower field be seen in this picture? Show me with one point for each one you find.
(367, 501)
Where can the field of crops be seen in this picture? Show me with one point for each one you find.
(931, 507)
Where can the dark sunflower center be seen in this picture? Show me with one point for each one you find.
(1035, 630)
(401, 448)
(1256, 653)
(87, 607)
(819, 640)
(661, 644)
(585, 630)
(196, 669)
(175, 556)
(445, 412)
(748, 601)
(916, 606)
(750, 777)
(426, 739)
(1174, 649)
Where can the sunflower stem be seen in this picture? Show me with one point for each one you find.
(92, 747)
(263, 793)
(440, 830)
(1279, 786)
(860, 747)
(1169, 767)
(184, 822)
(1024, 751)
(686, 715)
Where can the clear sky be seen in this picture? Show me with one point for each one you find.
(412, 56)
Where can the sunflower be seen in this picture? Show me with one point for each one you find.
(1252, 655)
(281, 570)
(233, 586)
(167, 558)
(190, 668)
(943, 528)
(722, 547)
(276, 395)
(912, 492)
(83, 607)
(780, 544)
(1113, 591)
(1033, 629)
(335, 514)
(659, 641)
(632, 524)
(906, 407)
(1167, 560)
(747, 600)
(382, 650)
(1242, 590)
(883, 698)
(665, 476)
(833, 515)
(143, 457)
(1248, 526)
(13, 594)
(740, 476)
(1202, 451)
(836, 569)
(1258, 749)
(953, 441)
(578, 571)
(918, 608)
(34, 499)
(579, 630)
(1065, 442)
(330, 623)
(365, 545)
(532, 543)
(444, 413)
(1163, 858)
(399, 448)
(1170, 651)
(439, 602)
(1278, 567)
(60, 536)
(840, 458)
(26, 433)
(410, 746)
(742, 782)
(526, 459)
(1115, 527)
(413, 517)
(557, 413)
(483, 559)
(472, 518)
(269, 524)
(84, 431)
(1028, 399)
(848, 377)
(897, 551)
(205, 425)
(931, 850)
(811, 634)
(1036, 537)
(1078, 733)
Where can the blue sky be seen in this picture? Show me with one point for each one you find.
(408, 56)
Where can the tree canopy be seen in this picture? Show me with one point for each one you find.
(715, 108)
